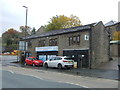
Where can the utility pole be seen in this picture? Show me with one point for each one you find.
(25, 29)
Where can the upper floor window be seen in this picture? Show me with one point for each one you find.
(74, 40)
(41, 43)
(29, 43)
(86, 37)
(53, 42)
(70, 40)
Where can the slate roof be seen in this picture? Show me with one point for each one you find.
(61, 31)
(111, 23)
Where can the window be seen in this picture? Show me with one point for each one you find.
(86, 37)
(57, 58)
(74, 40)
(29, 43)
(53, 42)
(78, 39)
(41, 43)
(70, 40)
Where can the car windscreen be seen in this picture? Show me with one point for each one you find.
(35, 59)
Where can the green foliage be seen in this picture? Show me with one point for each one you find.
(61, 22)
(33, 31)
(10, 39)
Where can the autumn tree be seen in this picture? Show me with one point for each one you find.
(26, 30)
(10, 39)
(62, 21)
(116, 35)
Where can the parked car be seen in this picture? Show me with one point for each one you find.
(59, 62)
(33, 61)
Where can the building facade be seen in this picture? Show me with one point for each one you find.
(114, 32)
(88, 44)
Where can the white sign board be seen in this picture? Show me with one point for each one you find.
(22, 45)
(48, 48)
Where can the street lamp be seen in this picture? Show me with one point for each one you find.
(25, 28)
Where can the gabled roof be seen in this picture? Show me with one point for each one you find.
(61, 31)
(110, 23)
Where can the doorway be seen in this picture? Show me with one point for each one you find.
(80, 56)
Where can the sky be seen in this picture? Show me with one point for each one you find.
(12, 12)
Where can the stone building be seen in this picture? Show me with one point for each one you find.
(113, 28)
(87, 44)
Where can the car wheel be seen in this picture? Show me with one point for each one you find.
(46, 65)
(59, 66)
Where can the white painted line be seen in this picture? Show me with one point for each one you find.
(37, 77)
(74, 84)
(11, 71)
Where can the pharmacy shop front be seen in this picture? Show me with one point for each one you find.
(44, 53)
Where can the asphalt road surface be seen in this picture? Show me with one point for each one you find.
(36, 77)
(6, 60)
(13, 80)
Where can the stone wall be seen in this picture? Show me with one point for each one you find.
(63, 42)
(99, 44)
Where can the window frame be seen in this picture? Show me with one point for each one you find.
(74, 40)
(41, 43)
(53, 42)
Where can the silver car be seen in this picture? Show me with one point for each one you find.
(59, 62)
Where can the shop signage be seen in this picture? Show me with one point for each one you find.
(49, 48)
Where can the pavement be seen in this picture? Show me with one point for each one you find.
(106, 70)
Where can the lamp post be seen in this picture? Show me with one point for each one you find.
(25, 28)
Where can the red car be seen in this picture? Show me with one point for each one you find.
(33, 61)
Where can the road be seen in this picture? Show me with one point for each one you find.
(13, 80)
(7, 59)
(52, 79)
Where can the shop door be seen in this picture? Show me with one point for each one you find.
(80, 56)
(83, 61)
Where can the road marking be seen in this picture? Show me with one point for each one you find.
(11, 71)
(73, 84)
(36, 77)
(40, 71)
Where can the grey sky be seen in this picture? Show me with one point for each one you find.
(40, 11)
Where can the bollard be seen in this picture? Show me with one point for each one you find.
(119, 72)
(119, 67)
(77, 73)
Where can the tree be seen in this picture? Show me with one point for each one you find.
(33, 31)
(10, 39)
(62, 22)
(116, 35)
(25, 30)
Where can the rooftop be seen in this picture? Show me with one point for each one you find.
(61, 31)
(110, 23)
